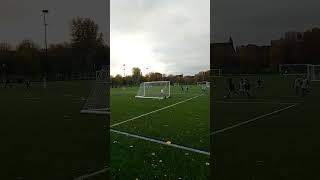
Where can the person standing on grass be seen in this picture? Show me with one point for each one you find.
(297, 85)
(247, 87)
(305, 86)
(27, 83)
(259, 83)
(241, 87)
(231, 88)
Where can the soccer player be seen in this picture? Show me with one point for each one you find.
(297, 85)
(27, 83)
(161, 91)
(259, 83)
(247, 87)
(232, 88)
(44, 81)
(305, 86)
(241, 87)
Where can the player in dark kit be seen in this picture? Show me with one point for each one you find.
(259, 83)
(232, 88)
(247, 87)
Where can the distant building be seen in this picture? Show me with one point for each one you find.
(223, 56)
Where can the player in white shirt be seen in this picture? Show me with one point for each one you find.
(161, 91)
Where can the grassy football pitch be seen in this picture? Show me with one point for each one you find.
(45, 137)
(160, 139)
(274, 134)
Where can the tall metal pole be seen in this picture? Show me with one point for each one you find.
(45, 35)
(124, 70)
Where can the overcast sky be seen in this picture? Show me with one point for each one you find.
(21, 19)
(259, 21)
(168, 36)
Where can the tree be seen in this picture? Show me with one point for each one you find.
(28, 58)
(85, 42)
(136, 75)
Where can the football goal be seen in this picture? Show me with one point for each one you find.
(98, 99)
(294, 69)
(216, 72)
(309, 70)
(154, 90)
(314, 72)
(203, 84)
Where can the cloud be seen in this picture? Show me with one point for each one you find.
(23, 19)
(176, 33)
(258, 22)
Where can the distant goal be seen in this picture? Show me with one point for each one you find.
(309, 70)
(216, 72)
(98, 99)
(154, 90)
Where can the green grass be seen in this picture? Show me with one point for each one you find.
(185, 124)
(45, 137)
(282, 146)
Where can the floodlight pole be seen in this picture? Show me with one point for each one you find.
(124, 70)
(45, 33)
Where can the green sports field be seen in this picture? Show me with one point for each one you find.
(274, 134)
(160, 139)
(45, 137)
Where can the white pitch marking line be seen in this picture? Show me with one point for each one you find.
(161, 142)
(251, 120)
(252, 102)
(31, 98)
(155, 111)
(87, 176)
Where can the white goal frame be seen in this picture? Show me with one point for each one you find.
(282, 67)
(215, 75)
(310, 71)
(102, 81)
(152, 97)
(314, 72)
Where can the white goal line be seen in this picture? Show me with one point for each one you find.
(87, 176)
(254, 102)
(252, 120)
(162, 142)
(166, 107)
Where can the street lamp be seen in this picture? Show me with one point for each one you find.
(124, 70)
(45, 11)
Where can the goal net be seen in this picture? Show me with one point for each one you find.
(294, 69)
(216, 72)
(98, 99)
(314, 72)
(154, 90)
(309, 70)
(204, 84)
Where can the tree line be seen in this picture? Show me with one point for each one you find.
(80, 57)
(136, 78)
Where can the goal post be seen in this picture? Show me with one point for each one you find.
(309, 70)
(154, 90)
(314, 72)
(216, 72)
(98, 99)
(294, 69)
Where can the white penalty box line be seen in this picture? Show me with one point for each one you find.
(253, 119)
(166, 107)
(161, 142)
(91, 175)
